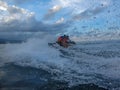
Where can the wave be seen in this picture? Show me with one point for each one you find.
(83, 63)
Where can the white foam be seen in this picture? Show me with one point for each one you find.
(80, 68)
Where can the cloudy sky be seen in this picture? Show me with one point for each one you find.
(59, 15)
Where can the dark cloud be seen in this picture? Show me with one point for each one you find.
(88, 13)
(22, 20)
(114, 28)
(14, 10)
(32, 26)
(49, 15)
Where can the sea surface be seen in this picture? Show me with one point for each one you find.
(34, 65)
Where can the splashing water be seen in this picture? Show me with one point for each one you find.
(95, 62)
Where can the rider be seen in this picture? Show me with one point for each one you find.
(63, 40)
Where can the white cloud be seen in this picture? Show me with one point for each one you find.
(14, 18)
(13, 15)
(14, 10)
(51, 12)
(3, 6)
(66, 3)
(80, 6)
(75, 5)
(76, 8)
(60, 21)
(56, 8)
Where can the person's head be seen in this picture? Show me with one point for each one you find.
(67, 36)
(64, 35)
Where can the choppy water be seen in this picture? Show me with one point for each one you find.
(35, 65)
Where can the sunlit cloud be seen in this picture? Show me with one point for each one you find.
(66, 3)
(81, 9)
(18, 19)
(3, 6)
(51, 12)
(57, 15)
(14, 13)
(13, 16)
(60, 21)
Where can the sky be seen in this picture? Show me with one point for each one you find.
(59, 16)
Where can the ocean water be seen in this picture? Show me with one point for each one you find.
(33, 65)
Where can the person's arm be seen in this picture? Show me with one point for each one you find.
(71, 42)
(68, 40)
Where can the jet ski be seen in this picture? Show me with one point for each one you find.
(62, 41)
(57, 45)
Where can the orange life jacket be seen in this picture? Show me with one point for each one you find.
(65, 40)
(60, 39)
